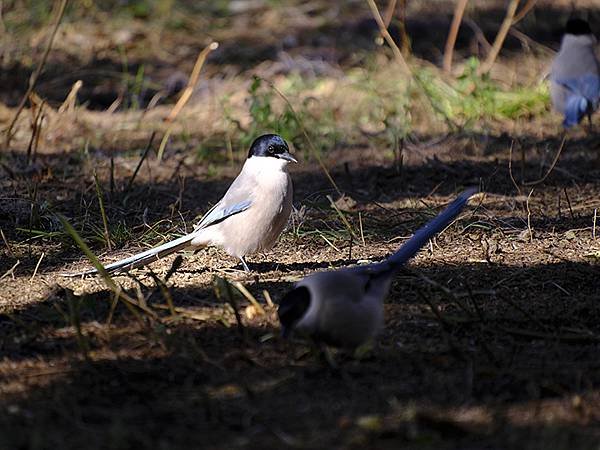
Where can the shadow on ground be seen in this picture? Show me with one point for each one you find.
(505, 339)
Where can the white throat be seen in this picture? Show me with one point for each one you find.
(264, 165)
(572, 40)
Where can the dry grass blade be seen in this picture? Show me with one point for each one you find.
(11, 271)
(36, 125)
(195, 75)
(139, 165)
(342, 216)
(223, 291)
(240, 287)
(8, 247)
(110, 283)
(389, 12)
(102, 211)
(510, 172)
(268, 298)
(36, 74)
(37, 266)
(541, 180)
(529, 230)
(164, 290)
(185, 95)
(69, 103)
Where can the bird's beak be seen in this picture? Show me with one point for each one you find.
(287, 156)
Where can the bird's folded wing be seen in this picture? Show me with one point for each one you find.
(220, 212)
(588, 86)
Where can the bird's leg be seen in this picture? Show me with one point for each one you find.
(244, 264)
(590, 129)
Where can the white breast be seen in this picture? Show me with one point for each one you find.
(258, 228)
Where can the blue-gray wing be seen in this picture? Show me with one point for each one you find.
(237, 199)
(587, 86)
(220, 212)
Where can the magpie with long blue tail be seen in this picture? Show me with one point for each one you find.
(344, 308)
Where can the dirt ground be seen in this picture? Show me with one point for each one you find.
(492, 333)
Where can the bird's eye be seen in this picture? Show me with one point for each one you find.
(271, 149)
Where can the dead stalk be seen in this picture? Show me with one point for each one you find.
(497, 45)
(34, 77)
(144, 155)
(185, 95)
(360, 224)
(453, 33)
(512, 178)
(8, 247)
(541, 180)
(568, 202)
(36, 126)
(242, 289)
(389, 12)
(529, 217)
(11, 271)
(386, 35)
(342, 216)
(102, 212)
(37, 266)
(268, 298)
(524, 10)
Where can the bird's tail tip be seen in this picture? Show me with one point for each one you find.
(471, 193)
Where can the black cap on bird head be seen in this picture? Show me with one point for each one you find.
(292, 308)
(272, 146)
(577, 27)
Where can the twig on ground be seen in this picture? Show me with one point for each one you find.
(8, 247)
(242, 289)
(541, 180)
(11, 271)
(37, 266)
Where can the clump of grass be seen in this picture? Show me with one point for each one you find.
(473, 96)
